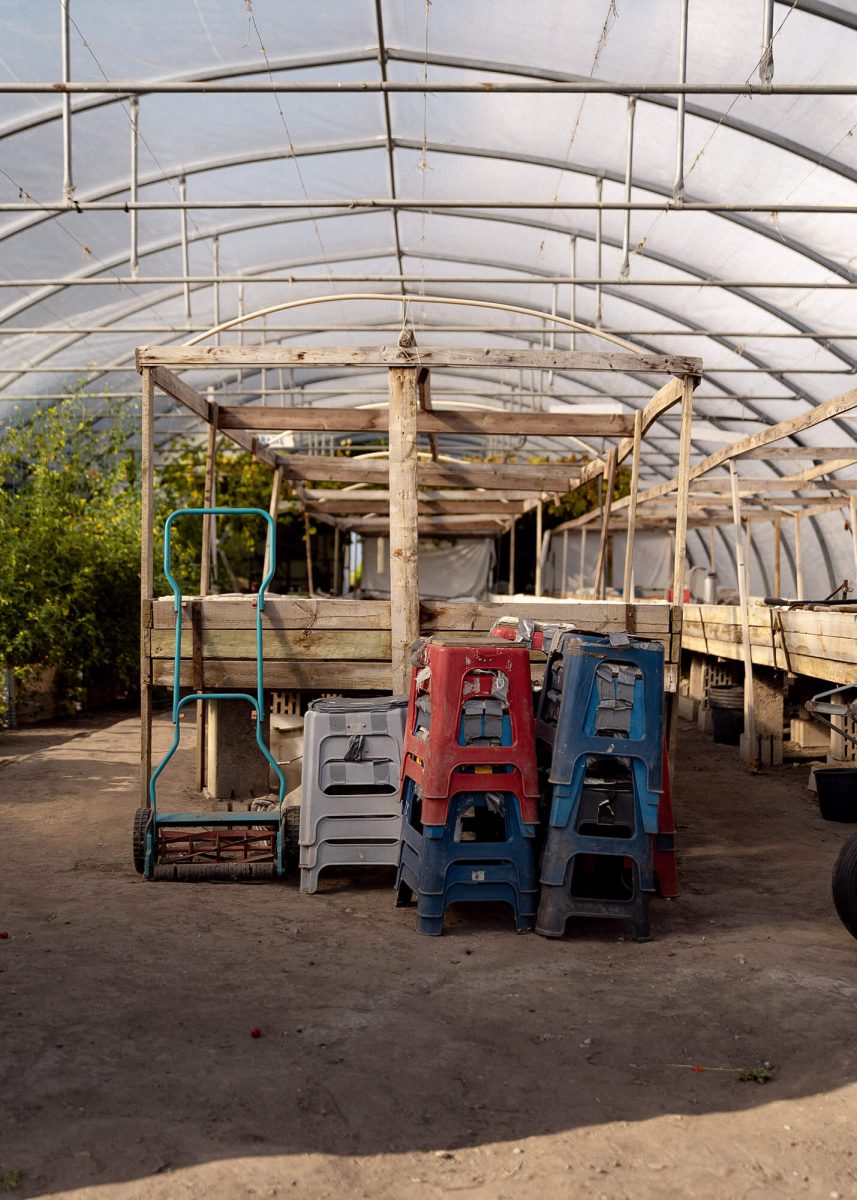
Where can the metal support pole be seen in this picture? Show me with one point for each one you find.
(741, 572)
(572, 300)
(599, 188)
(629, 175)
(133, 259)
(185, 251)
(678, 185)
(766, 62)
(215, 271)
(67, 178)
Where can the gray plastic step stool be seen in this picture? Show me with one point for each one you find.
(350, 814)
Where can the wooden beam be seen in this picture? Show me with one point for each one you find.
(663, 400)
(424, 385)
(679, 563)
(431, 528)
(741, 572)
(774, 433)
(512, 529)
(192, 399)
(477, 421)
(308, 543)
(535, 478)
(472, 496)
(539, 535)
(601, 565)
(147, 447)
(478, 505)
(396, 356)
(628, 580)
(404, 582)
(809, 453)
(273, 510)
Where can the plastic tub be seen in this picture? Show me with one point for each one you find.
(837, 793)
(727, 714)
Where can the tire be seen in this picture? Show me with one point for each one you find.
(845, 885)
(291, 836)
(142, 822)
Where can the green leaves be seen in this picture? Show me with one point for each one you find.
(70, 545)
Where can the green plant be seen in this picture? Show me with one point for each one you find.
(241, 482)
(69, 546)
(10, 1180)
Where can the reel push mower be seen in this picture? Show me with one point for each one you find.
(212, 845)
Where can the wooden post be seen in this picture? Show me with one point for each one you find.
(337, 554)
(582, 559)
(749, 748)
(777, 555)
(205, 577)
(147, 581)
(683, 484)
(600, 568)
(404, 580)
(308, 543)
(798, 560)
(273, 509)
(538, 587)
(564, 587)
(512, 557)
(748, 535)
(628, 582)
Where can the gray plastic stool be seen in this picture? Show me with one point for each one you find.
(350, 814)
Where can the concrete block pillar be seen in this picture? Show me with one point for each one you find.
(692, 686)
(769, 698)
(236, 768)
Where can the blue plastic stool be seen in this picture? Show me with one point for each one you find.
(444, 870)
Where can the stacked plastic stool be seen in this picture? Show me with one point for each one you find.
(470, 795)
(350, 813)
(601, 712)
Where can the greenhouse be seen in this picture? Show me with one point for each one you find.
(428, 506)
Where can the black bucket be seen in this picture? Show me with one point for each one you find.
(727, 714)
(837, 793)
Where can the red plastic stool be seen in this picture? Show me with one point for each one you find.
(449, 676)
(435, 809)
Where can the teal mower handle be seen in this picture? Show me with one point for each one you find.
(258, 702)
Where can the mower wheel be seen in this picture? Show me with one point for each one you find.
(142, 821)
(291, 836)
(845, 885)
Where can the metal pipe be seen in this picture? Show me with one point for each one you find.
(678, 185)
(572, 299)
(766, 62)
(629, 179)
(185, 252)
(599, 187)
(215, 263)
(361, 204)
(67, 178)
(395, 327)
(133, 260)
(506, 281)
(486, 87)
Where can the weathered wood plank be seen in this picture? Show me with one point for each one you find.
(438, 421)
(532, 477)
(363, 645)
(476, 506)
(191, 398)
(397, 356)
(309, 676)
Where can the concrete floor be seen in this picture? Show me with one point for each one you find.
(391, 1065)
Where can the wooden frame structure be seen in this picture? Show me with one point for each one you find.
(347, 644)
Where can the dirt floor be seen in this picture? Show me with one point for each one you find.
(391, 1065)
